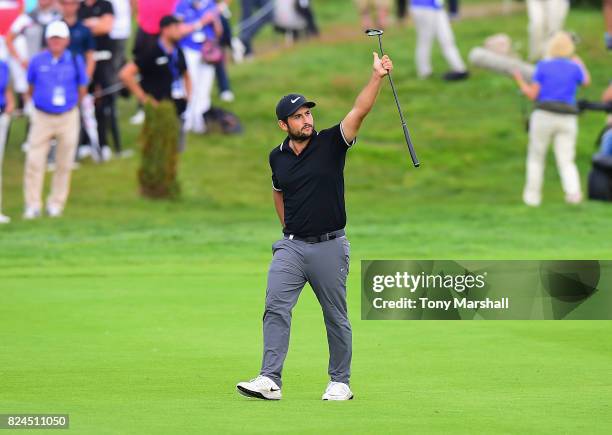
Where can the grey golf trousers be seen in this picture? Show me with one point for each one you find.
(325, 267)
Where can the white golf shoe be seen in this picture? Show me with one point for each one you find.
(31, 213)
(337, 391)
(262, 387)
(54, 212)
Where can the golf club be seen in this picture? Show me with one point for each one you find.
(415, 160)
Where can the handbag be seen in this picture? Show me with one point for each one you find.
(212, 53)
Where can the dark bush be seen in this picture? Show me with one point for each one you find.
(159, 140)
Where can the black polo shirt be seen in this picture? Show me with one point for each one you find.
(312, 183)
(98, 9)
(158, 69)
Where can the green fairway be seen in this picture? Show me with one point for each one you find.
(136, 316)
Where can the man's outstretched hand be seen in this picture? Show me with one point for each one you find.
(383, 66)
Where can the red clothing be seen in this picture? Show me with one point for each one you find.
(151, 11)
(9, 10)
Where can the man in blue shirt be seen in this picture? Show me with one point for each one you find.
(6, 107)
(200, 23)
(57, 80)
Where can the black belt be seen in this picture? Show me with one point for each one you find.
(557, 107)
(317, 239)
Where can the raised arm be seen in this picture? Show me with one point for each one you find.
(585, 71)
(367, 97)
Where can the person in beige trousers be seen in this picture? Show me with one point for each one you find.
(554, 86)
(546, 17)
(57, 82)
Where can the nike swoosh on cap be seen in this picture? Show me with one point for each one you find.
(293, 101)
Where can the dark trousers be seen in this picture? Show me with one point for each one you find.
(307, 13)
(249, 26)
(222, 78)
(402, 8)
(106, 114)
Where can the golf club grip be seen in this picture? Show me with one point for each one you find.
(413, 156)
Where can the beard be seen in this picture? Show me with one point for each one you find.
(300, 135)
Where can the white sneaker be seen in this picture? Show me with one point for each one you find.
(227, 96)
(138, 118)
(262, 387)
(107, 154)
(337, 391)
(31, 213)
(125, 154)
(4, 219)
(84, 151)
(54, 212)
(238, 50)
(574, 199)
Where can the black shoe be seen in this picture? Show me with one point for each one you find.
(453, 76)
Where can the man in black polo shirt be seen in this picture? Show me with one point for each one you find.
(98, 16)
(308, 189)
(163, 71)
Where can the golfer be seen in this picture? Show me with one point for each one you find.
(308, 190)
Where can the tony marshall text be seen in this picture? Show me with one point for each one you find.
(426, 303)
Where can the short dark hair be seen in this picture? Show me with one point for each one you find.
(168, 20)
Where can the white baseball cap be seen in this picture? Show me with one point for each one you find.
(57, 29)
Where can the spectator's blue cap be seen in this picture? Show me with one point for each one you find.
(289, 104)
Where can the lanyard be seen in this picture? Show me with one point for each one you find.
(173, 62)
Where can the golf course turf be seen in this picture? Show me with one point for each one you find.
(137, 316)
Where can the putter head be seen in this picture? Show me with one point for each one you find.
(374, 32)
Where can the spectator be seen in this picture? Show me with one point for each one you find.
(163, 71)
(431, 22)
(148, 15)
(6, 108)
(453, 8)
(605, 148)
(98, 16)
(402, 10)
(381, 10)
(304, 8)
(554, 87)
(10, 10)
(225, 40)
(24, 40)
(57, 80)
(200, 23)
(255, 15)
(546, 17)
(120, 33)
(82, 44)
